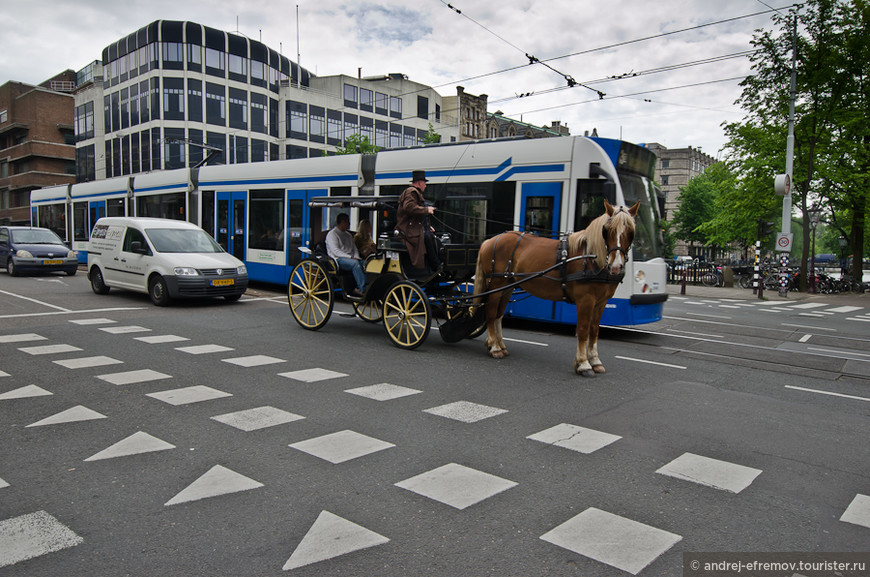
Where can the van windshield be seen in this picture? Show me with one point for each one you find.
(181, 240)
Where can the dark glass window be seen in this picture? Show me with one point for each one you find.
(194, 100)
(215, 104)
(195, 154)
(134, 105)
(125, 108)
(351, 125)
(297, 113)
(173, 99)
(155, 148)
(317, 123)
(237, 66)
(258, 150)
(125, 154)
(146, 151)
(86, 167)
(238, 149)
(107, 155)
(107, 112)
(144, 106)
(333, 127)
(367, 128)
(395, 135)
(155, 99)
(274, 114)
(259, 113)
(366, 100)
(174, 148)
(218, 140)
(381, 103)
(294, 151)
(116, 111)
(350, 95)
(194, 57)
(437, 113)
(396, 107)
(258, 73)
(422, 107)
(214, 62)
(381, 134)
(238, 109)
(85, 121)
(116, 157)
(173, 55)
(135, 165)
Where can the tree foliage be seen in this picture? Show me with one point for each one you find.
(832, 135)
(356, 144)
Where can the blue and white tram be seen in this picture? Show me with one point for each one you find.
(259, 211)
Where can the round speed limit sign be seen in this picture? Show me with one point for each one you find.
(783, 242)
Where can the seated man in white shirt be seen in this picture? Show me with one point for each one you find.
(340, 246)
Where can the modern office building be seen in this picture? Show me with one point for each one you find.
(171, 93)
(37, 144)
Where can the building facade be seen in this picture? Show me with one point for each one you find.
(37, 144)
(675, 167)
(173, 92)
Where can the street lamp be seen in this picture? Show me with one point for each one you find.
(843, 242)
(815, 216)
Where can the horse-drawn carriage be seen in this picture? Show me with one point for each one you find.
(584, 269)
(403, 298)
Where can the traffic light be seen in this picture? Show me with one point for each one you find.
(765, 228)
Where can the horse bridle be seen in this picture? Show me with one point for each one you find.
(604, 230)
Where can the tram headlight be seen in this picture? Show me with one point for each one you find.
(186, 271)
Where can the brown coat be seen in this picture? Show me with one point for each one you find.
(411, 222)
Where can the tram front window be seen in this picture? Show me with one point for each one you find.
(647, 237)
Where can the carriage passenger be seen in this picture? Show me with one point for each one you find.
(365, 245)
(340, 246)
(413, 223)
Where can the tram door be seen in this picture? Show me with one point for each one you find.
(539, 208)
(298, 230)
(97, 210)
(231, 222)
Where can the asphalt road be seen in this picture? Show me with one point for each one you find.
(214, 438)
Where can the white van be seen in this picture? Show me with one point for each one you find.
(165, 258)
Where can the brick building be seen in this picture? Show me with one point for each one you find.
(37, 142)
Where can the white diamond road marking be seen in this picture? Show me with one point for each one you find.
(312, 375)
(710, 472)
(73, 415)
(456, 485)
(329, 537)
(576, 438)
(341, 446)
(465, 411)
(858, 511)
(24, 393)
(131, 377)
(844, 309)
(203, 349)
(125, 330)
(188, 395)
(808, 306)
(136, 444)
(32, 535)
(259, 418)
(383, 392)
(23, 338)
(254, 361)
(88, 362)
(157, 339)
(93, 321)
(49, 349)
(216, 481)
(611, 539)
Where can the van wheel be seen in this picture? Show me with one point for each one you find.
(97, 283)
(158, 292)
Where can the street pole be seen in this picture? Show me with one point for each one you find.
(789, 163)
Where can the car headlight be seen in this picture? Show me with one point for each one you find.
(242, 270)
(21, 253)
(72, 254)
(186, 271)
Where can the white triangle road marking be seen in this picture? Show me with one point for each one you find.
(136, 444)
(329, 537)
(216, 481)
(73, 415)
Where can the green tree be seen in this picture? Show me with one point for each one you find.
(356, 144)
(431, 137)
(830, 162)
(699, 200)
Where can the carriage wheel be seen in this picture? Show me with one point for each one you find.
(310, 295)
(371, 311)
(407, 315)
(455, 310)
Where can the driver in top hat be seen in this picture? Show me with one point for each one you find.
(413, 223)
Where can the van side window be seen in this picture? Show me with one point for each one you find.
(132, 236)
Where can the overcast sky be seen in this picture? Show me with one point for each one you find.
(482, 49)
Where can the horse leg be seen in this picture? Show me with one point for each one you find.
(494, 341)
(582, 366)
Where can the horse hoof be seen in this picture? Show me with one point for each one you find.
(496, 354)
(589, 373)
(599, 369)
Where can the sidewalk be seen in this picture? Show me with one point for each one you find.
(737, 293)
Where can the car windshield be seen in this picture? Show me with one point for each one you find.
(35, 236)
(182, 240)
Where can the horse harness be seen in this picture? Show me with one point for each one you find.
(561, 263)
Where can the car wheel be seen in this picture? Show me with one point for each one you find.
(157, 291)
(97, 283)
(10, 268)
(71, 272)
(232, 298)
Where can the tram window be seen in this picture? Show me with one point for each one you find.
(161, 206)
(53, 216)
(267, 220)
(590, 201)
(114, 207)
(80, 221)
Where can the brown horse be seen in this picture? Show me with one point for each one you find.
(587, 282)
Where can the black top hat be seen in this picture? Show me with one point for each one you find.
(419, 175)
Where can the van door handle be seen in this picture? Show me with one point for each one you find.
(123, 260)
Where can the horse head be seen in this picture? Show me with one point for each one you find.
(618, 234)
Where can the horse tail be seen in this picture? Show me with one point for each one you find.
(480, 272)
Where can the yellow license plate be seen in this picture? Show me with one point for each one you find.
(223, 282)
(52, 262)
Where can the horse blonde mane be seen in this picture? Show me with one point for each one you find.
(591, 239)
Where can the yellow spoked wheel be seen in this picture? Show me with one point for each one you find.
(371, 312)
(310, 295)
(406, 315)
